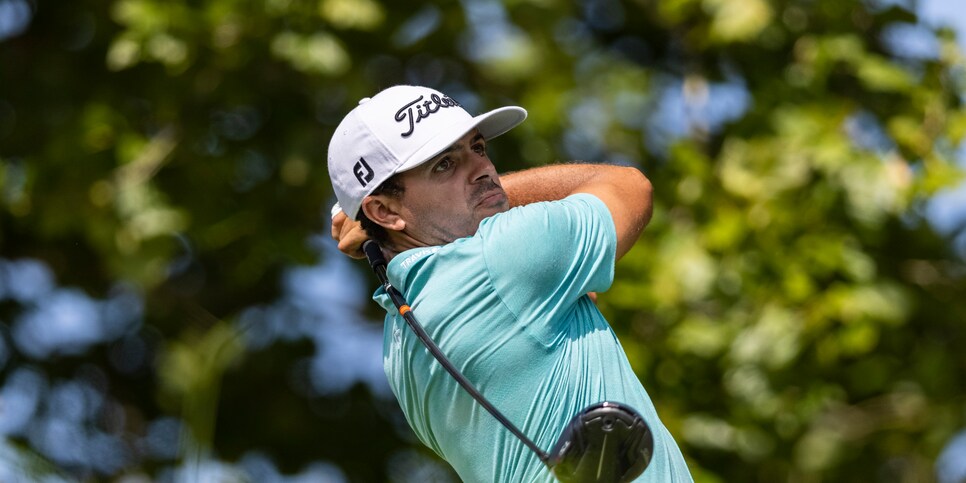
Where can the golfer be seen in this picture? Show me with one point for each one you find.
(498, 269)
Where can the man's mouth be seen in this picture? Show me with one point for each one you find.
(492, 196)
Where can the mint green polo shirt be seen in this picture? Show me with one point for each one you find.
(508, 306)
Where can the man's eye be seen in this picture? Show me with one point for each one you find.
(443, 165)
(479, 149)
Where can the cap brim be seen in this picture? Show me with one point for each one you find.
(490, 124)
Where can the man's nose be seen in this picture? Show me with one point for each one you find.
(483, 170)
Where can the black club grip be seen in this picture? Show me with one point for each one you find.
(374, 254)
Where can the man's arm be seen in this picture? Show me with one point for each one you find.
(625, 191)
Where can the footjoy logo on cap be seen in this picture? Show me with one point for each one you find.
(423, 110)
(363, 172)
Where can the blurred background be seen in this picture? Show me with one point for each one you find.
(172, 309)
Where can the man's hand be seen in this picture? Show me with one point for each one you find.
(349, 234)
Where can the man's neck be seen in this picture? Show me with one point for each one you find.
(399, 242)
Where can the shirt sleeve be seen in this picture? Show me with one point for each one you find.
(543, 257)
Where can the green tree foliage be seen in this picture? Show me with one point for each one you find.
(790, 309)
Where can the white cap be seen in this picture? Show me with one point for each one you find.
(397, 130)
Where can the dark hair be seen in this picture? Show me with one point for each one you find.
(392, 188)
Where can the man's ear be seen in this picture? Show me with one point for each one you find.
(384, 212)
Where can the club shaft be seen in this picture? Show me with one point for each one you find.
(378, 263)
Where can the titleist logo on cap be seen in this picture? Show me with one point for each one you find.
(423, 110)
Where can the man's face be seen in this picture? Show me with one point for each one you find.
(447, 197)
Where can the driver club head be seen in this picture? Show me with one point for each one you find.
(606, 442)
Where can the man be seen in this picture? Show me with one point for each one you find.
(502, 291)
